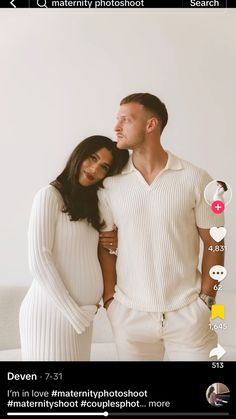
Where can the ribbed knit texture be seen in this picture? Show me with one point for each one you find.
(158, 241)
(57, 312)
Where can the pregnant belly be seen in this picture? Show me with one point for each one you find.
(85, 287)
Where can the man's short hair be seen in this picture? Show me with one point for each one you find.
(151, 103)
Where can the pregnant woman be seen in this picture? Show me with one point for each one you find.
(57, 313)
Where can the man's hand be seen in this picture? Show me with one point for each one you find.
(98, 306)
(108, 302)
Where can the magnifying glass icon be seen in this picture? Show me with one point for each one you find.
(42, 3)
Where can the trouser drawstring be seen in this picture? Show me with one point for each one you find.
(162, 319)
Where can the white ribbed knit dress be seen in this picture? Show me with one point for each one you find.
(57, 312)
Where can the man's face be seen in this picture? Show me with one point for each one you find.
(131, 125)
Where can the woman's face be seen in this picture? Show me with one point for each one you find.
(95, 167)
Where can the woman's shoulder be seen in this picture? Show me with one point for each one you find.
(48, 193)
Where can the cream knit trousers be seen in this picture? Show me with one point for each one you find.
(180, 335)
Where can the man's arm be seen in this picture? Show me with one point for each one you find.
(108, 266)
(209, 259)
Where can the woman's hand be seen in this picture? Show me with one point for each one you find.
(108, 239)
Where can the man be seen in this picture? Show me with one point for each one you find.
(156, 299)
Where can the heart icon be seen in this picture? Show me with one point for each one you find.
(218, 233)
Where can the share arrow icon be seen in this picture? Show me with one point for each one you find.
(218, 351)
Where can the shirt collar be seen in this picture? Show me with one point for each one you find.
(173, 163)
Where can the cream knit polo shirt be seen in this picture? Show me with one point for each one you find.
(158, 241)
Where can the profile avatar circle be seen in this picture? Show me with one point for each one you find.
(218, 195)
(217, 394)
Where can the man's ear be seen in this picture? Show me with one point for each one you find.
(152, 124)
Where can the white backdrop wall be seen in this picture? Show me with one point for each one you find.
(62, 75)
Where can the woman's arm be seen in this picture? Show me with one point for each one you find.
(107, 260)
(41, 234)
(108, 239)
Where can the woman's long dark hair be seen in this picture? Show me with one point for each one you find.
(223, 184)
(211, 390)
(81, 202)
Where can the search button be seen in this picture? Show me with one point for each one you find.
(42, 3)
